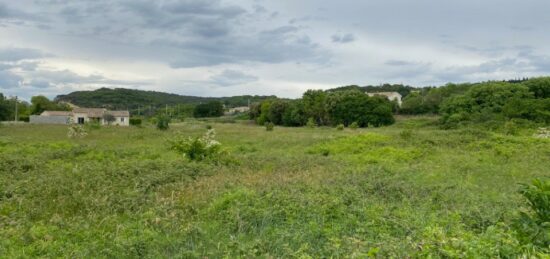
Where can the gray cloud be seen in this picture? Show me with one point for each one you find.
(17, 54)
(232, 77)
(9, 80)
(345, 38)
(39, 83)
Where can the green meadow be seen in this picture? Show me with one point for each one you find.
(406, 190)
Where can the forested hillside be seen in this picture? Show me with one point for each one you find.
(120, 98)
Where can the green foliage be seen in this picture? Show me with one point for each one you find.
(351, 106)
(76, 131)
(540, 87)
(340, 127)
(354, 125)
(163, 122)
(208, 126)
(135, 121)
(210, 109)
(533, 225)
(199, 148)
(311, 123)
(269, 126)
(41, 103)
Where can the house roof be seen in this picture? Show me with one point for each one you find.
(119, 113)
(91, 112)
(56, 113)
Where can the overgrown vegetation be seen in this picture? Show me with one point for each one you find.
(326, 108)
(406, 190)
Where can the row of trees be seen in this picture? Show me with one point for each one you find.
(326, 108)
(24, 109)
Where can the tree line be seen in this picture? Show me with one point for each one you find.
(327, 108)
(486, 102)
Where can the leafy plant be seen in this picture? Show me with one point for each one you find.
(311, 123)
(109, 118)
(208, 126)
(163, 122)
(76, 131)
(198, 148)
(135, 121)
(340, 127)
(269, 126)
(354, 125)
(534, 225)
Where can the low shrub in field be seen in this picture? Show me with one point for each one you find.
(533, 225)
(135, 121)
(354, 126)
(406, 134)
(269, 126)
(199, 148)
(311, 123)
(163, 122)
(340, 127)
(511, 128)
(208, 127)
(76, 131)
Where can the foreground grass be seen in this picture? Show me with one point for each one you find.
(405, 190)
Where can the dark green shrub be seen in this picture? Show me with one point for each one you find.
(533, 225)
(135, 121)
(269, 126)
(208, 126)
(163, 122)
(354, 125)
(340, 127)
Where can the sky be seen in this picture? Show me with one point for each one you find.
(283, 47)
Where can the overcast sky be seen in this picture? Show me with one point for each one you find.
(283, 47)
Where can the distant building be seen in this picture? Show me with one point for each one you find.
(236, 110)
(392, 96)
(81, 116)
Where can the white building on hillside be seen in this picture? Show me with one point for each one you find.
(83, 115)
(392, 96)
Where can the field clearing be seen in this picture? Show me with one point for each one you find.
(409, 189)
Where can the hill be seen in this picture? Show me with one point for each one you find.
(120, 98)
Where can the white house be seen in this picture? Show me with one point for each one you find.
(236, 110)
(392, 96)
(83, 115)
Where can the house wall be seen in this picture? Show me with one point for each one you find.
(37, 119)
(119, 121)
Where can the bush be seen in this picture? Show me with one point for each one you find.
(163, 122)
(208, 126)
(510, 128)
(76, 131)
(199, 148)
(311, 123)
(533, 225)
(340, 127)
(135, 121)
(354, 125)
(269, 126)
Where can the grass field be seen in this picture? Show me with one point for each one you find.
(408, 190)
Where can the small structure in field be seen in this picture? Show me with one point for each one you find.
(392, 96)
(83, 115)
(236, 110)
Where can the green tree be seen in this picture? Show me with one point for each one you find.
(314, 105)
(209, 109)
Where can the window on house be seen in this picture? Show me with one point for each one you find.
(80, 120)
(122, 119)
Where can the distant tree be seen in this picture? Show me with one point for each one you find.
(41, 103)
(540, 87)
(346, 107)
(109, 118)
(163, 122)
(314, 105)
(276, 111)
(209, 109)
